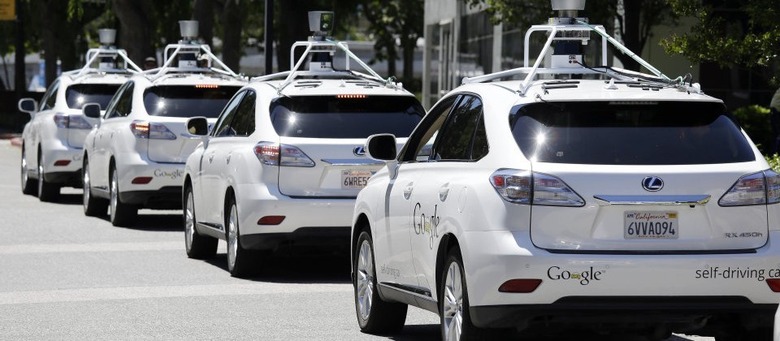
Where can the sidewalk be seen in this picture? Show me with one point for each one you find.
(16, 139)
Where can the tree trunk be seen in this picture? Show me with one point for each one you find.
(134, 32)
(293, 26)
(232, 19)
(631, 33)
(203, 12)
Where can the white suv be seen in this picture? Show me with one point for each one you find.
(54, 137)
(135, 157)
(285, 160)
(578, 195)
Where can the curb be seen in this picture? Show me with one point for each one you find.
(16, 141)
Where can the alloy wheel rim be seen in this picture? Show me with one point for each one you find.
(40, 177)
(114, 195)
(452, 309)
(365, 280)
(189, 222)
(24, 168)
(86, 185)
(232, 238)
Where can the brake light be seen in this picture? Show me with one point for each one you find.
(271, 220)
(273, 154)
(61, 120)
(774, 284)
(524, 187)
(753, 189)
(150, 130)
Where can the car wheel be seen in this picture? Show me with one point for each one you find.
(93, 207)
(454, 302)
(29, 186)
(239, 259)
(121, 214)
(47, 191)
(374, 315)
(197, 246)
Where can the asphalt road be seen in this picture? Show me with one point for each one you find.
(65, 276)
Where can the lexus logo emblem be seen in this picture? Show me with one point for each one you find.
(652, 183)
(359, 151)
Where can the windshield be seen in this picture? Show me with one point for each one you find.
(187, 100)
(332, 117)
(620, 133)
(79, 94)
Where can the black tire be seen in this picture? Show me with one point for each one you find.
(120, 214)
(29, 185)
(197, 246)
(240, 261)
(47, 191)
(374, 315)
(454, 301)
(93, 206)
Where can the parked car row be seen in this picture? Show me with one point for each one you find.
(547, 196)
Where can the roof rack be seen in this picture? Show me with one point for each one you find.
(107, 56)
(189, 53)
(570, 30)
(321, 49)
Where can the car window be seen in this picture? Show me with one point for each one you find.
(50, 97)
(462, 132)
(187, 100)
(244, 122)
(620, 133)
(222, 128)
(122, 103)
(79, 94)
(420, 144)
(353, 117)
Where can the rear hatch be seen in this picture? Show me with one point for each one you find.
(169, 107)
(652, 176)
(329, 133)
(76, 96)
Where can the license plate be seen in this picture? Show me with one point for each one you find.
(355, 179)
(650, 225)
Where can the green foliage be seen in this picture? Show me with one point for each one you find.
(754, 119)
(774, 161)
(744, 33)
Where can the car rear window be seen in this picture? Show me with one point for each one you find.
(629, 133)
(79, 94)
(332, 117)
(187, 100)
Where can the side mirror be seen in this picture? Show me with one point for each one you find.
(28, 105)
(91, 110)
(381, 147)
(198, 126)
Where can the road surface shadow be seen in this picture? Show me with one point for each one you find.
(282, 267)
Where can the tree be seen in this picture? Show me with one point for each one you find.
(731, 33)
(393, 22)
(634, 24)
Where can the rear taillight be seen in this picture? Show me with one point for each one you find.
(74, 122)
(273, 154)
(151, 130)
(753, 189)
(524, 187)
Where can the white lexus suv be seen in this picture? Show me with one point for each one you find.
(54, 137)
(285, 160)
(135, 156)
(575, 196)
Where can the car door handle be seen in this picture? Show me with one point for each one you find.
(444, 191)
(408, 190)
(211, 157)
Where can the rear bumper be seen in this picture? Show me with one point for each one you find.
(163, 189)
(639, 288)
(308, 223)
(62, 165)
